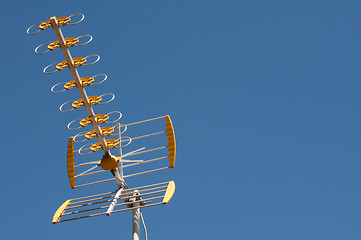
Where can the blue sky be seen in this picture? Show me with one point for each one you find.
(263, 96)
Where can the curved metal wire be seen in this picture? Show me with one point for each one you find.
(36, 49)
(35, 24)
(82, 44)
(72, 122)
(121, 125)
(84, 149)
(120, 116)
(62, 105)
(44, 70)
(105, 78)
(107, 94)
(52, 89)
(96, 60)
(76, 14)
(81, 134)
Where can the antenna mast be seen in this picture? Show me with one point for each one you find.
(79, 173)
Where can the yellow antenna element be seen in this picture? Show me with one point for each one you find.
(68, 42)
(60, 211)
(76, 62)
(70, 162)
(93, 100)
(106, 131)
(111, 143)
(84, 81)
(171, 141)
(99, 118)
(109, 162)
(60, 20)
(169, 193)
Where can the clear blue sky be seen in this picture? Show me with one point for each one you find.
(264, 97)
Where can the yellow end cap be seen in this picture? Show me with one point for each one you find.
(171, 141)
(169, 192)
(60, 211)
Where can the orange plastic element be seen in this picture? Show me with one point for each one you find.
(70, 162)
(111, 143)
(68, 42)
(109, 162)
(84, 81)
(106, 131)
(79, 61)
(94, 100)
(78, 103)
(171, 141)
(60, 20)
(76, 62)
(62, 65)
(99, 118)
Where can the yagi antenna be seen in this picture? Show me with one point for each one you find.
(137, 153)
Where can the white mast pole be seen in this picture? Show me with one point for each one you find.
(136, 218)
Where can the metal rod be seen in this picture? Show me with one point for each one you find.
(144, 136)
(87, 184)
(79, 86)
(147, 189)
(87, 174)
(150, 150)
(114, 201)
(97, 195)
(120, 166)
(146, 161)
(136, 174)
(152, 185)
(148, 120)
(91, 202)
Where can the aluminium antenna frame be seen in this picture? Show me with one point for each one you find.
(134, 198)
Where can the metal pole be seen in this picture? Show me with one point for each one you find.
(136, 221)
(120, 151)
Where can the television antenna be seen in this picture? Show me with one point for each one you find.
(110, 133)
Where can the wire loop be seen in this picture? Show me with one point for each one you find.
(121, 132)
(71, 123)
(44, 70)
(36, 49)
(76, 14)
(101, 74)
(129, 141)
(120, 116)
(81, 134)
(62, 105)
(52, 89)
(85, 149)
(96, 60)
(107, 94)
(82, 44)
(35, 24)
